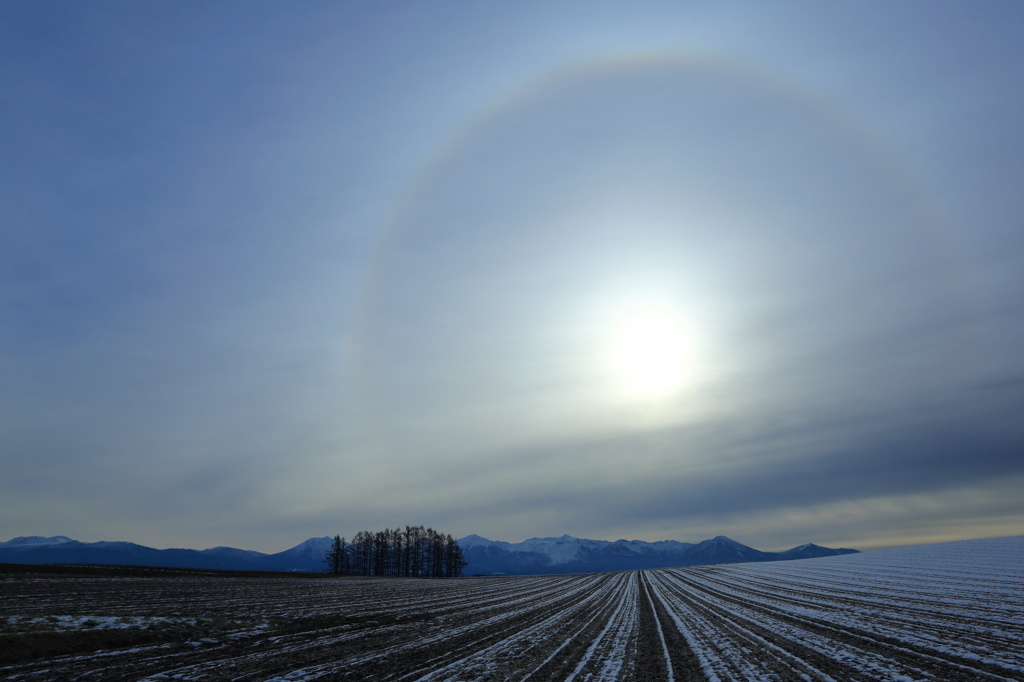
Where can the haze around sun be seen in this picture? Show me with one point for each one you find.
(656, 271)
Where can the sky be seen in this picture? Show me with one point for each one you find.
(619, 270)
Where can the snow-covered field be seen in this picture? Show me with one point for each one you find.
(953, 611)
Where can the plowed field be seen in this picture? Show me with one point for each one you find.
(940, 612)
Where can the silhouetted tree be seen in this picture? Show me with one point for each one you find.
(454, 561)
(337, 557)
(407, 552)
(362, 553)
(416, 552)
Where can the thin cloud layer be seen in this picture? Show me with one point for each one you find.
(352, 267)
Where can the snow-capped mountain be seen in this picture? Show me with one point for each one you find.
(313, 548)
(558, 550)
(35, 541)
(567, 554)
(566, 548)
(233, 553)
(306, 556)
(564, 554)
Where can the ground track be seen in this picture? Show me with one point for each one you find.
(953, 612)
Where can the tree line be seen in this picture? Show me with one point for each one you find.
(415, 552)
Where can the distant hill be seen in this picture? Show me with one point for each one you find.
(567, 554)
(306, 556)
(564, 554)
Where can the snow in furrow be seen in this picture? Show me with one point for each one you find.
(732, 636)
(930, 632)
(661, 633)
(578, 598)
(472, 666)
(690, 627)
(562, 646)
(918, 613)
(901, 600)
(526, 605)
(556, 591)
(619, 621)
(868, 663)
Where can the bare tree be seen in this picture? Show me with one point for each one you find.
(336, 557)
(416, 552)
(453, 558)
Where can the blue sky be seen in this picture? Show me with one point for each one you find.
(644, 270)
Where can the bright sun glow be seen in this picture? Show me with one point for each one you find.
(650, 353)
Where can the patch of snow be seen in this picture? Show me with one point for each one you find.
(35, 540)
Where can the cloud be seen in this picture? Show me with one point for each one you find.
(369, 268)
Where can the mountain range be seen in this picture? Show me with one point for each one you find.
(305, 557)
(567, 554)
(564, 554)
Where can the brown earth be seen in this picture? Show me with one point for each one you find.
(679, 624)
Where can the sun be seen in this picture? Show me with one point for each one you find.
(649, 353)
